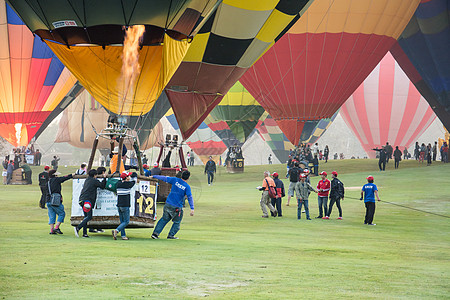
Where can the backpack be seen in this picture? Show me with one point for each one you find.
(111, 184)
(341, 189)
(293, 174)
(272, 190)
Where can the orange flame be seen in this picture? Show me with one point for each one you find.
(18, 127)
(130, 66)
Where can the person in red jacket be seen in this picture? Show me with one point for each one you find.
(323, 188)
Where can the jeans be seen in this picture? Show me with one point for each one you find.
(299, 208)
(210, 177)
(124, 217)
(370, 211)
(83, 224)
(276, 202)
(170, 213)
(55, 210)
(338, 204)
(322, 201)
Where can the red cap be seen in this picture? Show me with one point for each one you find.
(323, 173)
(370, 177)
(145, 166)
(46, 168)
(125, 175)
(306, 171)
(334, 173)
(275, 174)
(155, 165)
(303, 175)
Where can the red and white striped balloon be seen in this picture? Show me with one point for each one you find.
(387, 107)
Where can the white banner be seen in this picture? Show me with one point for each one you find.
(29, 158)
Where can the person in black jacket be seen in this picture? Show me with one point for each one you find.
(88, 196)
(397, 157)
(336, 194)
(123, 203)
(43, 181)
(210, 169)
(382, 158)
(54, 187)
(279, 186)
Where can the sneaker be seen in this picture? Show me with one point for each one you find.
(372, 224)
(57, 230)
(75, 229)
(114, 234)
(171, 237)
(340, 218)
(303, 211)
(125, 238)
(319, 217)
(155, 236)
(100, 230)
(264, 216)
(308, 218)
(275, 213)
(52, 232)
(85, 236)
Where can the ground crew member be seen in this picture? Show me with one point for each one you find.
(369, 191)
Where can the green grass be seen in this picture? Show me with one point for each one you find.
(228, 251)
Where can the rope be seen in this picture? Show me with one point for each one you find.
(403, 206)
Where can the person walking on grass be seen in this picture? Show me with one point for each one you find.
(293, 173)
(323, 188)
(435, 150)
(123, 203)
(302, 190)
(265, 199)
(88, 197)
(336, 194)
(276, 202)
(397, 157)
(54, 187)
(210, 169)
(43, 185)
(368, 193)
(173, 209)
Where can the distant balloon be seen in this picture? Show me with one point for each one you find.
(387, 108)
(33, 82)
(234, 119)
(310, 72)
(88, 37)
(236, 35)
(423, 52)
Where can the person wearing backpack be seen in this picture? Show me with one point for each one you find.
(88, 197)
(294, 174)
(54, 187)
(336, 194)
(267, 185)
(276, 202)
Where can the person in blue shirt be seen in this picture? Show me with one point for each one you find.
(147, 172)
(173, 209)
(369, 191)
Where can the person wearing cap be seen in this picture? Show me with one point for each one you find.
(210, 169)
(173, 209)
(336, 194)
(369, 191)
(294, 173)
(276, 202)
(155, 170)
(43, 180)
(88, 197)
(54, 185)
(302, 190)
(147, 172)
(265, 199)
(323, 188)
(123, 203)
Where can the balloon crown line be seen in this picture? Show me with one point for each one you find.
(303, 119)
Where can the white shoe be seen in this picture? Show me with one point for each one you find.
(372, 224)
(76, 232)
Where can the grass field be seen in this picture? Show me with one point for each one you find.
(228, 251)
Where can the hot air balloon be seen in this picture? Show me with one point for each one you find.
(83, 118)
(310, 72)
(88, 37)
(423, 53)
(387, 108)
(33, 82)
(204, 142)
(234, 119)
(236, 35)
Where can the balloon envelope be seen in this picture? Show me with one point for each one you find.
(310, 72)
(33, 82)
(387, 108)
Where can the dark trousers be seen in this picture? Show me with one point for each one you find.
(338, 204)
(382, 165)
(370, 211)
(396, 163)
(210, 177)
(316, 170)
(83, 224)
(43, 196)
(28, 177)
(322, 201)
(429, 159)
(276, 202)
(434, 156)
